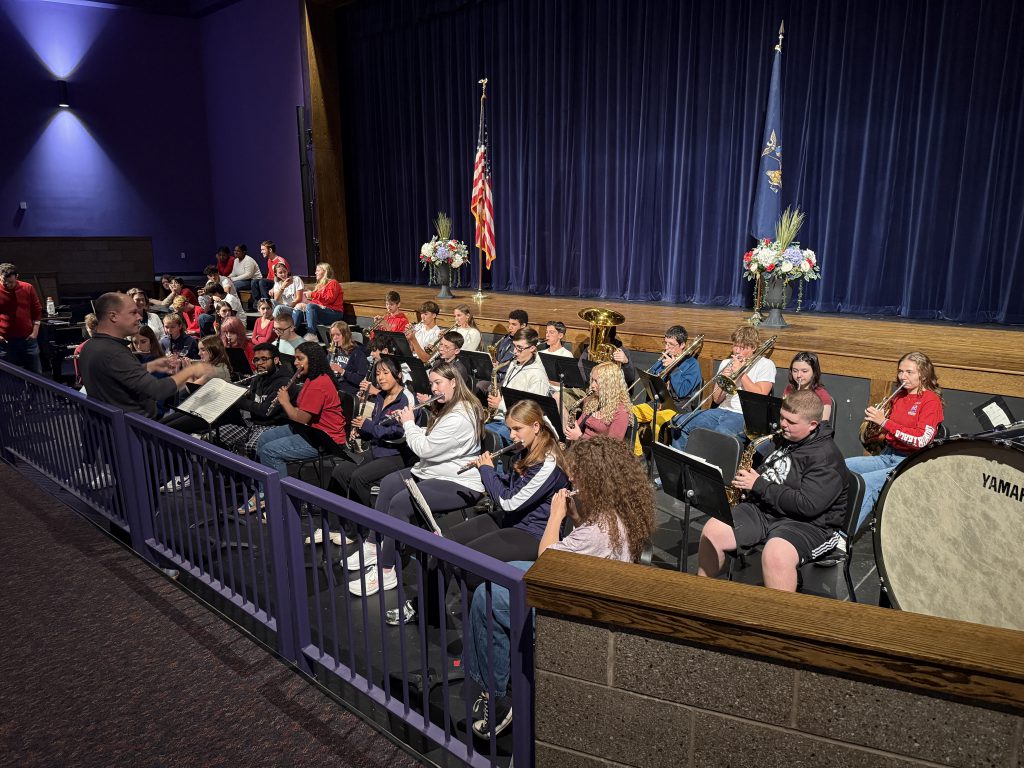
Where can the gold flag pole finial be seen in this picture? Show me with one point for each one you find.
(483, 88)
(782, 29)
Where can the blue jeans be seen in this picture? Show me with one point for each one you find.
(875, 470)
(206, 324)
(715, 419)
(23, 353)
(243, 285)
(261, 289)
(316, 315)
(503, 432)
(278, 446)
(478, 639)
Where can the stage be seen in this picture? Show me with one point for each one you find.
(988, 359)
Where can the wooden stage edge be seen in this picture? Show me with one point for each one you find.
(987, 359)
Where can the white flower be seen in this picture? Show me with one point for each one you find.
(810, 256)
(785, 267)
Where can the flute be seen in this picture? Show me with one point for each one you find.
(516, 446)
(416, 407)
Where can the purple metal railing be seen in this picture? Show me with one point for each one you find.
(268, 564)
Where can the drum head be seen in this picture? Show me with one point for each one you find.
(950, 533)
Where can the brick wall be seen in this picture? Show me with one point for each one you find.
(84, 265)
(609, 697)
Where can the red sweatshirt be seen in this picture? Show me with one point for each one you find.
(224, 267)
(913, 421)
(330, 296)
(19, 309)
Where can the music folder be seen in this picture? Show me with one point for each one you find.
(565, 370)
(693, 481)
(761, 413)
(396, 342)
(417, 372)
(212, 400)
(547, 405)
(238, 362)
(478, 364)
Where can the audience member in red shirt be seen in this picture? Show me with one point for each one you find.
(263, 330)
(21, 314)
(225, 261)
(261, 288)
(325, 305)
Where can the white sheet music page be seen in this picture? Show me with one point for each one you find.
(996, 415)
(212, 399)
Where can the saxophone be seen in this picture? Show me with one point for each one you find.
(733, 494)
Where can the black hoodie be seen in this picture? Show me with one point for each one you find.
(805, 481)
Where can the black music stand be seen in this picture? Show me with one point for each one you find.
(417, 372)
(238, 362)
(564, 370)
(478, 364)
(547, 405)
(994, 414)
(586, 366)
(760, 412)
(396, 342)
(695, 483)
(658, 393)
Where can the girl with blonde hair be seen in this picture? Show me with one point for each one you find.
(326, 303)
(606, 408)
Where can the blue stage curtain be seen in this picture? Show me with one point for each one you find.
(625, 136)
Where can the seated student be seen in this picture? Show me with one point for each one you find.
(525, 373)
(263, 326)
(449, 351)
(232, 335)
(245, 271)
(348, 360)
(317, 405)
(683, 381)
(394, 318)
(605, 409)
(452, 435)
(211, 350)
(287, 339)
(189, 313)
(620, 356)
(175, 341)
(256, 410)
(554, 335)
(146, 347)
(152, 319)
(225, 261)
(728, 416)
(613, 512)
(466, 325)
(261, 288)
(517, 320)
(805, 373)
(288, 291)
(324, 305)
(211, 322)
(424, 335)
(165, 288)
(381, 433)
(796, 500)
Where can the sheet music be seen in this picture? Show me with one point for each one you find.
(703, 461)
(996, 415)
(212, 399)
(421, 504)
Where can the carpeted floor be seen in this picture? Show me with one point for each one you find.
(104, 662)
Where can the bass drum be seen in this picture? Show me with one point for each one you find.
(949, 536)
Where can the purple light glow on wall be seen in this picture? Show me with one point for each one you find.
(58, 34)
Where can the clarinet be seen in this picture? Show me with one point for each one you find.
(361, 398)
(272, 408)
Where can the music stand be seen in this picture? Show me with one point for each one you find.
(760, 412)
(695, 483)
(238, 362)
(586, 366)
(478, 364)
(547, 405)
(994, 414)
(417, 372)
(396, 342)
(564, 370)
(658, 393)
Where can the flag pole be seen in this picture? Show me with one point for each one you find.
(479, 295)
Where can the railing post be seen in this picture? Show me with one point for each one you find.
(521, 675)
(280, 511)
(131, 480)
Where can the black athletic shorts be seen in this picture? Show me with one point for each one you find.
(752, 526)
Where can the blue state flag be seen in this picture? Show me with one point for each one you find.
(768, 184)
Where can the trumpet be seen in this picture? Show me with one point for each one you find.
(693, 349)
(511, 448)
(416, 407)
(432, 351)
(872, 436)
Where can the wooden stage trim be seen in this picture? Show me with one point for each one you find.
(975, 359)
(956, 659)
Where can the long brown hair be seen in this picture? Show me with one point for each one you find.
(926, 370)
(462, 397)
(348, 343)
(467, 310)
(528, 412)
(613, 489)
(215, 347)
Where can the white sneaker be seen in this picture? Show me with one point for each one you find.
(368, 584)
(311, 337)
(318, 538)
(369, 557)
(103, 480)
(179, 483)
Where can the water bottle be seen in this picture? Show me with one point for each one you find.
(51, 306)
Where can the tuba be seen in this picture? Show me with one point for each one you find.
(602, 321)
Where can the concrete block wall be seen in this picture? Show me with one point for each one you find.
(84, 265)
(609, 697)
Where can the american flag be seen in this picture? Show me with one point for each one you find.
(482, 206)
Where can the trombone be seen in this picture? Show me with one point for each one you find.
(693, 349)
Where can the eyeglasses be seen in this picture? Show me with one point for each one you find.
(522, 349)
(280, 328)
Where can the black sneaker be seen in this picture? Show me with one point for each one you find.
(405, 615)
(479, 707)
(502, 718)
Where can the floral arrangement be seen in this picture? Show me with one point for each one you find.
(781, 258)
(442, 249)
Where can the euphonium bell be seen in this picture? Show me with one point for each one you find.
(602, 321)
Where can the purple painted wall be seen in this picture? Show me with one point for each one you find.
(137, 154)
(253, 53)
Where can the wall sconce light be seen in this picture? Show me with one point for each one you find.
(63, 99)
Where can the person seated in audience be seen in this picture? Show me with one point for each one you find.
(211, 322)
(426, 333)
(554, 335)
(213, 277)
(913, 422)
(245, 270)
(287, 339)
(620, 356)
(805, 373)
(347, 359)
(165, 287)
(605, 409)
(525, 373)
(684, 380)
(452, 434)
(175, 341)
(256, 410)
(394, 318)
(382, 435)
(465, 324)
(211, 350)
(324, 305)
(796, 500)
(288, 291)
(232, 335)
(728, 416)
(263, 328)
(225, 261)
(317, 405)
(174, 286)
(218, 293)
(189, 313)
(612, 509)
(152, 319)
(261, 288)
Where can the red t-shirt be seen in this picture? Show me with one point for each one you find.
(319, 397)
(189, 294)
(19, 309)
(224, 267)
(263, 334)
(330, 296)
(192, 320)
(272, 262)
(820, 391)
(913, 421)
(396, 323)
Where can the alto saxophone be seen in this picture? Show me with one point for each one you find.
(733, 494)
